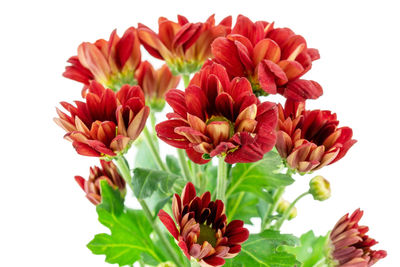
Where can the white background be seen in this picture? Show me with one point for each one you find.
(45, 219)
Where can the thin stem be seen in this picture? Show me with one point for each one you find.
(221, 179)
(123, 168)
(235, 206)
(156, 156)
(158, 231)
(285, 215)
(184, 165)
(267, 220)
(186, 79)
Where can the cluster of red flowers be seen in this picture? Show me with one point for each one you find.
(220, 113)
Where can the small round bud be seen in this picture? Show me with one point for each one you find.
(320, 188)
(283, 205)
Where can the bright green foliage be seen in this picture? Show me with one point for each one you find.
(312, 251)
(242, 206)
(264, 249)
(258, 176)
(146, 181)
(130, 231)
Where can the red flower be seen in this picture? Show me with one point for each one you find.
(203, 230)
(272, 59)
(309, 140)
(111, 63)
(107, 172)
(184, 46)
(155, 83)
(216, 116)
(106, 122)
(351, 246)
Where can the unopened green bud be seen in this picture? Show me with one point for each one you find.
(283, 206)
(320, 188)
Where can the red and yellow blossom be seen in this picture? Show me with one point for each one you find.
(107, 122)
(216, 116)
(310, 140)
(111, 63)
(184, 46)
(272, 59)
(156, 83)
(351, 247)
(203, 232)
(108, 172)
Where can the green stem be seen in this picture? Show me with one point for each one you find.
(156, 156)
(221, 179)
(158, 231)
(267, 220)
(184, 165)
(123, 168)
(235, 206)
(285, 216)
(186, 79)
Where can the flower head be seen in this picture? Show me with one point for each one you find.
(107, 122)
(108, 172)
(111, 63)
(320, 188)
(215, 116)
(272, 59)
(351, 247)
(155, 84)
(203, 232)
(184, 46)
(309, 140)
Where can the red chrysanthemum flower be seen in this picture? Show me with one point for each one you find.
(107, 122)
(156, 83)
(111, 63)
(272, 59)
(215, 116)
(184, 46)
(309, 140)
(351, 247)
(203, 230)
(107, 172)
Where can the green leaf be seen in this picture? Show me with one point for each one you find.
(144, 157)
(312, 251)
(130, 231)
(173, 164)
(263, 250)
(146, 181)
(258, 176)
(242, 206)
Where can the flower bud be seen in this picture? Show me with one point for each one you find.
(320, 188)
(283, 205)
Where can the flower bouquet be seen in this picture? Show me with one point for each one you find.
(236, 152)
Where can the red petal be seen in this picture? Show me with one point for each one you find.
(168, 223)
(214, 261)
(188, 193)
(176, 99)
(195, 156)
(166, 132)
(85, 150)
(300, 90)
(81, 181)
(225, 53)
